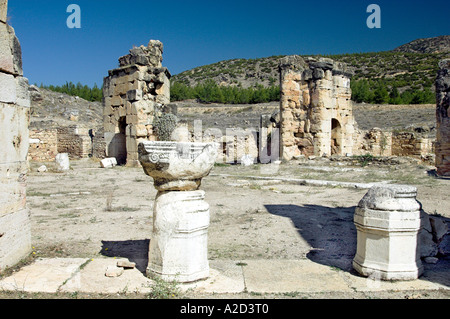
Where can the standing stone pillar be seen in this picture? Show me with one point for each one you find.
(134, 94)
(316, 112)
(387, 220)
(15, 230)
(179, 244)
(443, 119)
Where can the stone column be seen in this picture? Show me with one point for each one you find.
(387, 220)
(15, 234)
(178, 247)
(442, 148)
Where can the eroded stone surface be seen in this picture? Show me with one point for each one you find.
(178, 248)
(443, 119)
(134, 94)
(177, 166)
(315, 107)
(387, 220)
(15, 230)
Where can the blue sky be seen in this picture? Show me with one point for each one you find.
(196, 33)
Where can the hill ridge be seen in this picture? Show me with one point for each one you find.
(411, 70)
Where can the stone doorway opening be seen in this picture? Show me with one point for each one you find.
(121, 142)
(336, 137)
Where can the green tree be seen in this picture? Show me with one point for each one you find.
(381, 94)
(394, 96)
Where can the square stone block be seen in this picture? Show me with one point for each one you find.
(8, 93)
(3, 10)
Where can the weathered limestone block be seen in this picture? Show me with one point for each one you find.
(315, 98)
(442, 147)
(15, 240)
(6, 58)
(108, 162)
(134, 94)
(62, 162)
(3, 10)
(178, 248)
(14, 133)
(432, 233)
(16, 51)
(13, 187)
(11, 52)
(22, 93)
(387, 220)
(8, 92)
(15, 234)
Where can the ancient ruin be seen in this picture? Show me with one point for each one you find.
(178, 248)
(387, 220)
(271, 233)
(133, 94)
(443, 119)
(77, 140)
(15, 234)
(315, 107)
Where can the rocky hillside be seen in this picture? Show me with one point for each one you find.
(412, 66)
(429, 45)
(51, 109)
(246, 72)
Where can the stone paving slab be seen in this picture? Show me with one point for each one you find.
(281, 276)
(44, 275)
(226, 276)
(92, 279)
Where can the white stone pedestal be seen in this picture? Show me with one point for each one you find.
(179, 245)
(387, 220)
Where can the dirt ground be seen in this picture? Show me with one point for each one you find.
(90, 211)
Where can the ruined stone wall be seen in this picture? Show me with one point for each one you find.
(374, 142)
(43, 145)
(443, 118)
(75, 141)
(315, 108)
(133, 94)
(98, 144)
(384, 143)
(15, 233)
(409, 144)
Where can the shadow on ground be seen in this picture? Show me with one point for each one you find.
(135, 250)
(331, 233)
